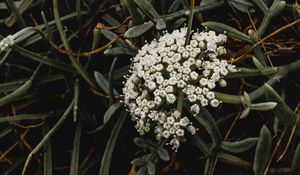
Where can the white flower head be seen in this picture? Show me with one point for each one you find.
(167, 66)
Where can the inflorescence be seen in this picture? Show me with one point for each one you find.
(166, 67)
(10, 40)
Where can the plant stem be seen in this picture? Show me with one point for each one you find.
(63, 37)
(47, 137)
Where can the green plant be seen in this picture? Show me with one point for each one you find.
(62, 66)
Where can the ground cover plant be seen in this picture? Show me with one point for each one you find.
(138, 87)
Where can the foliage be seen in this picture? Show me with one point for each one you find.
(62, 66)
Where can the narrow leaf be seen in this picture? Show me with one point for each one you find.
(103, 83)
(263, 151)
(47, 152)
(265, 106)
(282, 111)
(238, 146)
(107, 156)
(150, 11)
(111, 111)
(296, 161)
(129, 5)
(245, 113)
(230, 31)
(76, 148)
(151, 168)
(120, 51)
(139, 30)
(163, 153)
(208, 122)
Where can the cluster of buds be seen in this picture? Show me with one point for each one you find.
(10, 40)
(167, 66)
(6, 43)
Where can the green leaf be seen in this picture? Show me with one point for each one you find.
(140, 142)
(263, 151)
(14, 166)
(245, 113)
(106, 158)
(262, 5)
(138, 30)
(234, 160)
(44, 60)
(5, 132)
(163, 153)
(23, 117)
(242, 5)
(296, 161)
(47, 149)
(201, 144)
(74, 166)
(111, 36)
(111, 111)
(103, 83)
(230, 31)
(210, 125)
(120, 51)
(258, 64)
(129, 6)
(238, 146)
(150, 11)
(139, 162)
(151, 168)
(246, 99)
(227, 98)
(209, 163)
(282, 111)
(265, 106)
(276, 8)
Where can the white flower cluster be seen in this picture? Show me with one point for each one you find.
(165, 67)
(6, 43)
(10, 40)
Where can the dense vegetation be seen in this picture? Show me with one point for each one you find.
(63, 64)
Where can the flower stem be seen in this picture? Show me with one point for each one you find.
(180, 101)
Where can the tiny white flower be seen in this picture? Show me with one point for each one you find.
(166, 134)
(191, 129)
(176, 114)
(171, 98)
(157, 100)
(151, 85)
(223, 71)
(194, 75)
(198, 63)
(194, 43)
(180, 132)
(176, 57)
(204, 102)
(170, 120)
(201, 44)
(184, 122)
(214, 103)
(181, 84)
(169, 89)
(203, 81)
(167, 125)
(206, 72)
(222, 83)
(192, 98)
(210, 95)
(195, 108)
(211, 84)
(185, 54)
